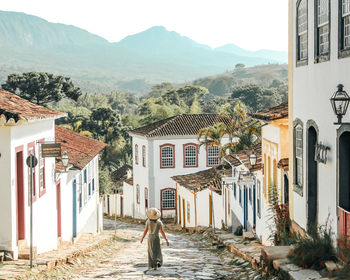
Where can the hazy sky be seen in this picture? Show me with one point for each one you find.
(251, 24)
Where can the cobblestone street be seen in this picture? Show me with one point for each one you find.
(189, 256)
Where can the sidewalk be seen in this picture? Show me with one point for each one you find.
(47, 261)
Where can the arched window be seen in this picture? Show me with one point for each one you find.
(302, 30)
(136, 154)
(144, 156)
(167, 199)
(212, 155)
(190, 155)
(322, 27)
(138, 194)
(298, 155)
(167, 156)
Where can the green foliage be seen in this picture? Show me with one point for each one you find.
(239, 65)
(41, 88)
(105, 182)
(344, 257)
(314, 250)
(239, 231)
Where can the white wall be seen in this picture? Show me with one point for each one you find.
(128, 200)
(186, 195)
(313, 85)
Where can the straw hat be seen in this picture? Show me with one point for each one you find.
(153, 214)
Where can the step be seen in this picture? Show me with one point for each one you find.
(24, 254)
(248, 235)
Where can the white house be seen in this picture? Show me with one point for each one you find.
(197, 206)
(78, 202)
(242, 190)
(23, 127)
(319, 61)
(161, 150)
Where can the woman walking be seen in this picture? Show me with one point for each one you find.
(153, 227)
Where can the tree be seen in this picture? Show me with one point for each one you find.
(212, 136)
(41, 88)
(239, 66)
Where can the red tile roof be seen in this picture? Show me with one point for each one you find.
(184, 124)
(274, 113)
(242, 157)
(80, 149)
(284, 164)
(17, 108)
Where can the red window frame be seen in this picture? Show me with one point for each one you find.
(172, 146)
(207, 152)
(184, 155)
(138, 194)
(143, 155)
(136, 154)
(42, 189)
(31, 145)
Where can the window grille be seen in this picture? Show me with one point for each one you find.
(302, 29)
(299, 155)
(347, 31)
(213, 155)
(167, 156)
(168, 199)
(190, 156)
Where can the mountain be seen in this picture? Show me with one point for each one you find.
(29, 43)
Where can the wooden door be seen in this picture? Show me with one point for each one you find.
(58, 193)
(20, 196)
(210, 211)
(184, 212)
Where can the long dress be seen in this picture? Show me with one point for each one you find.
(154, 250)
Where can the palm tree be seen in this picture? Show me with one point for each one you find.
(212, 136)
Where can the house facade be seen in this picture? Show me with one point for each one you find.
(23, 127)
(78, 201)
(319, 160)
(162, 150)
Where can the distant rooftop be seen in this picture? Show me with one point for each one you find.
(184, 124)
(14, 108)
(242, 157)
(278, 112)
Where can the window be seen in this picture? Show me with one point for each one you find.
(136, 154)
(258, 199)
(80, 191)
(234, 190)
(167, 157)
(322, 27)
(168, 199)
(344, 25)
(144, 156)
(93, 185)
(298, 155)
(188, 212)
(250, 195)
(138, 194)
(190, 155)
(146, 198)
(31, 150)
(212, 155)
(42, 186)
(85, 186)
(240, 195)
(302, 30)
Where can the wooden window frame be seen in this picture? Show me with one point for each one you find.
(304, 61)
(184, 155)
(143, 155)
(342, 51)
(31, 145)
(326, 56)
(172, 146)
(161, 198)
(298, 188)
(42, 189)
(207, 152)
(136, 154)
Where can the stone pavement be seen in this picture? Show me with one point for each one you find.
(189, 256)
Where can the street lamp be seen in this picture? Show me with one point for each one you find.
(252, 159)
(65, 160)
(340, 102)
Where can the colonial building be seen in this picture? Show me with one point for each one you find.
(162, 150)
(78, 202)
(319, 61)
(23, 127)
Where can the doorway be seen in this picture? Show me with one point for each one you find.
(311, 179)
(20, 196)
(286, 189)
(245, 209)
(184, 212)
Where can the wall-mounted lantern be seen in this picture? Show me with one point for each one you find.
(340, 102)
(65, 160)
(252, 159)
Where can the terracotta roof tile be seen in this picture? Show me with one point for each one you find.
(242, 157)
(17, 108)
(284, 164)
(130, 181)
(274, 113)
(80, 149)
(184, 124)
